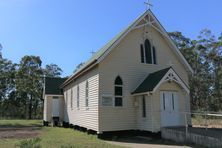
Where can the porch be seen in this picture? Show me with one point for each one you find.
(160, 99)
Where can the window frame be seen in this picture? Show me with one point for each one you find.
(87, 94)
(71, 99)
(118, 96)
(77, 97)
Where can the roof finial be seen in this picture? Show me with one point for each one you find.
(92, 52)
(148, 5)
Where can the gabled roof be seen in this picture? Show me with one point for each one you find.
(151, 81)
(154, 80)
(52, 86)
(101, 54)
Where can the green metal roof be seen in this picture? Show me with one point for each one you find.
(52, 85)
(104, 49)
(151, 81)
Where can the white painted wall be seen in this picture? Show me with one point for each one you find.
(83, 116)
(125, 61)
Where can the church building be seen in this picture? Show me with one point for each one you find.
(137, 81)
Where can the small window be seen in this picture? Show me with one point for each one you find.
(71, 101)
(78, 96)
(142, 53)
(107, 101)
(154, 55)
(144, 107)
(118, 92)
(148, 52)
(118, 101)
(87, 93)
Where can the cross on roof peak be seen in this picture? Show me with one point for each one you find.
(148, 5)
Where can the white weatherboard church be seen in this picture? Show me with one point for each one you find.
(137, 81)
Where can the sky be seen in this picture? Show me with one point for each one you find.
(65, 32)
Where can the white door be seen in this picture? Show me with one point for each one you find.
(55, 107)
(169, 109)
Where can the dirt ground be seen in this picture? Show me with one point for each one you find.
(19, 132)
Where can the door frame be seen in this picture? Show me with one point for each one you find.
(173, 113)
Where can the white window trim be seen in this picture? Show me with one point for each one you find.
(87, 95)
(114, 98)
(77, 98)
(71, 99)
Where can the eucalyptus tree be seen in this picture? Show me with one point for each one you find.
(52, 70)
(29, 82)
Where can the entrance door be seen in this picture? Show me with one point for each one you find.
(169, 108)
(55, 107)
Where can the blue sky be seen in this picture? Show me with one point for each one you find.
(64, 32)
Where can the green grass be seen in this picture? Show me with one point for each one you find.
(18, 123)
(52, 137)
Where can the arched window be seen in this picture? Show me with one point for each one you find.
(118, 91)
(148, 52)
(154, 55)
(142, 54)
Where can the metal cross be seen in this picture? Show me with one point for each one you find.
(148, 5)
(92, 52)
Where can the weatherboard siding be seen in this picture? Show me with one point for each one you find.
(124, 60)
(144, 123)
(47, 113)
(83, 116)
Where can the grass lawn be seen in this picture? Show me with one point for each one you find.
(51, 137)
(20, 123)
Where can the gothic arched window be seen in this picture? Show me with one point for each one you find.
(118, 91)
(148, 53)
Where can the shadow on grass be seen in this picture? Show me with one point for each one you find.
(148, 140)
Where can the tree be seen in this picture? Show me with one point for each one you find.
(78, 67)
(7, 83)
(52, 70)
(0, 51)
(195, 53)
(29, 82)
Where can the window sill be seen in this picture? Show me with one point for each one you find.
(147, 64)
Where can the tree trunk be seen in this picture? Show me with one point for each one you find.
(30, 107)
(35, 108)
